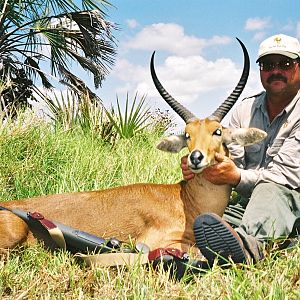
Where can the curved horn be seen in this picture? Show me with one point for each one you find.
(225, 107)
(184, 113)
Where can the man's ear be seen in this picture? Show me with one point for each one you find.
(173, 143)
(243, 136)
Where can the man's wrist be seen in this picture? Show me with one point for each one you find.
(237, 178)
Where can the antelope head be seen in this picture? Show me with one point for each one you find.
(205, 137)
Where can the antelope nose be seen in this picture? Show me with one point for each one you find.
(196, 157)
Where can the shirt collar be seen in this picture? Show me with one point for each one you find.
(261, 102)
(291, 105)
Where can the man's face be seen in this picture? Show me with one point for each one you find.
(279, 74)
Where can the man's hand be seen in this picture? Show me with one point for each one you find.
(186, 172)
(223, 172)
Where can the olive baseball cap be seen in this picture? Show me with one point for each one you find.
(280, 44)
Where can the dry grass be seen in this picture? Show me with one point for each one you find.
(36, 160)
(33, 273)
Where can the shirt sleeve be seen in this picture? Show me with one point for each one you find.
(283, 156)
(237, 152)
(284, 168)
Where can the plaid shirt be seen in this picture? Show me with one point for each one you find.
(276, 158)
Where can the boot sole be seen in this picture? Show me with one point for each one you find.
(215, 238)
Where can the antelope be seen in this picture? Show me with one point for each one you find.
(159, 215)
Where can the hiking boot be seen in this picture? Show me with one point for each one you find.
(217, 239)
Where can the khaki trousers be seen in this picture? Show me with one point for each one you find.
(273, 212)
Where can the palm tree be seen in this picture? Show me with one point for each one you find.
(39, 41)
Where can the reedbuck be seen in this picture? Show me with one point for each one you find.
(159, 215)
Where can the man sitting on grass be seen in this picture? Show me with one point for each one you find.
(268, 172)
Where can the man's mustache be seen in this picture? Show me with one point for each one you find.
(276, 77)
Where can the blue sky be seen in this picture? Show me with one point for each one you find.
(198, 59)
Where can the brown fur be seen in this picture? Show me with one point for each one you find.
(159, 215)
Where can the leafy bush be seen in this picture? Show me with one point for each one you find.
(133, 121)
(70, 111)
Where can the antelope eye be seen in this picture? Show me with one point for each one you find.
(218, 132)
(187, 136)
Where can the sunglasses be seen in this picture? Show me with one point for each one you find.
(284, 65)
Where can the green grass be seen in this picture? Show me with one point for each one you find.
(37, 160)
(38, 274)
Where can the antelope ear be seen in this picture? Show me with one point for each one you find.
(173, 143)
(243, 136)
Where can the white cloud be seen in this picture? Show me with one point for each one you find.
(172, 38)
(127, 71)
(259, 36)
(253, 24)
(218, 40)
(197, 83)
(193, 75)
(132, 23)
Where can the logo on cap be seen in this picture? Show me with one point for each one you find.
(277, 39)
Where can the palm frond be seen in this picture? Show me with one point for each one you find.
(63, 110)
(134, 119)
(62, 34)
(76, 84)
(35, 66)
